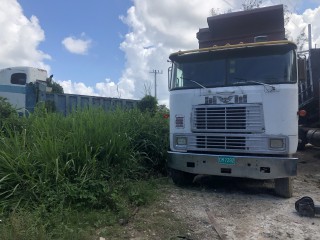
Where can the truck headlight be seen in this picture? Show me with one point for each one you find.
(276, 143)
(181, 140)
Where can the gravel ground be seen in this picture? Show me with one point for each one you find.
(229, 208)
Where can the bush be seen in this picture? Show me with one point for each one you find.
(148, 104)
(85, 160)
(59, 175)
(6, 110)
(152, 139)
(56, 87)
(9, 118)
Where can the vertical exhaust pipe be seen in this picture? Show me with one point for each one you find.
(309, 36)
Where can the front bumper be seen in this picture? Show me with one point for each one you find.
(234, 166)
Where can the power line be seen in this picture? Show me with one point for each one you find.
(155, 72)
(228, 3)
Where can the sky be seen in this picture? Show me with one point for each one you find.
(111, 47)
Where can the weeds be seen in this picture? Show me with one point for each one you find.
(90, 160)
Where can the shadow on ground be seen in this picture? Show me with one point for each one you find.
(234, 185)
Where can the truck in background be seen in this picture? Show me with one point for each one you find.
(309, 100)
(234, 101)
(14, 81)
(24, 87)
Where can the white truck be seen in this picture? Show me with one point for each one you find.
(13, 82)
(234, 102)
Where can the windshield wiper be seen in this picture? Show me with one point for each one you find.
(190, 80)
(257, 82)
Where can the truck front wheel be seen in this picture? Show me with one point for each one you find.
(283, 187)
(181, 178)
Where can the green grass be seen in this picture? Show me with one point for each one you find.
(156, 220)
(69, 223)
(150, 220)
(55, 169)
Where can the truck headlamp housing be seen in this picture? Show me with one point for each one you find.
(277, 143)
(181, 141)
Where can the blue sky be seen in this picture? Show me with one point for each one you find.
(91, 50)
(301, 6)
(98, 20)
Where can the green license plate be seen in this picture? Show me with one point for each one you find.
(227, 160)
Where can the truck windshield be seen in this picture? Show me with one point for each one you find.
(270, 65)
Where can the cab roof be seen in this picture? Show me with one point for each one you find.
(229, 47)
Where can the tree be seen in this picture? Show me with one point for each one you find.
(246, 5)
(9, 119)
(214, 11)
(56, 87)
(6, 110)
(301, 39)
(251, 4)
(163, 109)
(148, 104)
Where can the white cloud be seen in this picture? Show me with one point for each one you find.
(170, 26)
(107, 88)
(77, 88)
(20, 38)
(299, 24)
(158, 28)
(167, 26)
(111, 89)
(77, 45)
(312, 17)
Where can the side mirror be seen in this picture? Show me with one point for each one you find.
(302, 69)
(169, 77)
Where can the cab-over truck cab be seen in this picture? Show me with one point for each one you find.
(233, 112)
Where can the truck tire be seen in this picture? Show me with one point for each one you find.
(181, 178)
(302, 135)
(283, 187)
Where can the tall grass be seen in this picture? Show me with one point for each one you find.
(87, 160)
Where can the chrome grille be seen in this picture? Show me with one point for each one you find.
(230, 118)
(221, 142)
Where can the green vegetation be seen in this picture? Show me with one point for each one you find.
(65, 177)
(155, 221)
(56, 87)
(9, 118)
(148, 104)
(6, 110)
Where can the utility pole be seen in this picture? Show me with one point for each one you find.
(155, 72)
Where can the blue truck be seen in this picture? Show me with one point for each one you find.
(24, 87)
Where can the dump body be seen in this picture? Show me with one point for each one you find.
(244, 26)
(66, 103)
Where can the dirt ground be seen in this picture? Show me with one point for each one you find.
(228, 208)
